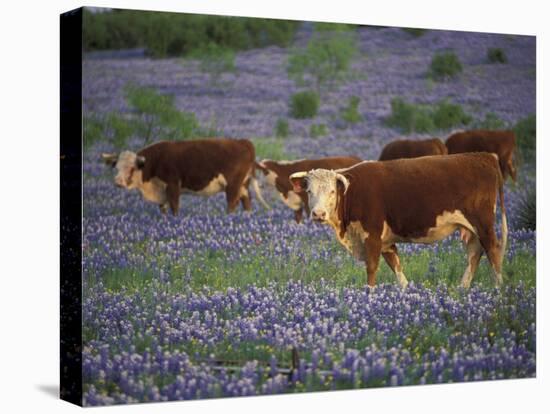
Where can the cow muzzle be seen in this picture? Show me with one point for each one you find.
(318, 215)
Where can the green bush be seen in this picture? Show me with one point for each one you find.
(491, 121)
(121, 129)
(527, 214)
(351, 113)
(93, 130)
(424, 118)
(447, 115)
(317, 130)
(445, 65)
(215, 60)
(281, 128)
(496, 55)
(333, 27)
(414, 32)
(175, 34)
(304, 104)
(409, 117)
(526, 136)
(157, 115)
(325, 61)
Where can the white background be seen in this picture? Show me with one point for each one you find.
(29, 224)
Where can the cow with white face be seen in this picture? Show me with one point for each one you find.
(277, 175)
(372, 206)
(165, 170)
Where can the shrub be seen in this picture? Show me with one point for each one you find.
(445, 65)
(156, 114)
(270, 148)
(491, 121)
(93, 130)
(424, 118)
(333, 27)
(317, 130)
(526, 136)
(496, 55)
(324, 62)
(304, 104)
(351, 113)
(447, 115)
(215, 60)
(414, 32)
(173, 34)
(281, 128)
(120, 128)
(527, 213)
(409, 117)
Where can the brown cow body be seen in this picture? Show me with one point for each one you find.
(278, 172)
(374, 205)
(501, 143)
(408, 148)
(166, 169)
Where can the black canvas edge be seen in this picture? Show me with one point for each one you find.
(71, 206)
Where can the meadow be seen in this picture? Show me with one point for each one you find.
(165, 298)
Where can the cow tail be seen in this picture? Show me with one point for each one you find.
(256, 188)
(504, 223)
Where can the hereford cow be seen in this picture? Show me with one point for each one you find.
(164, 170)
(374, 205)
(408, 148)
(501, 143)
(278, 172)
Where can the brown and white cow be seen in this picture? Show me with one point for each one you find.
(409, 148)
(501, 143)
(277, 175)
(374, 205)
(166, 169)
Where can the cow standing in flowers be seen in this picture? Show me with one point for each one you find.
(374, 205)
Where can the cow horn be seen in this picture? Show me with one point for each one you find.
(343, 180)
(300, 174)
(109, 158)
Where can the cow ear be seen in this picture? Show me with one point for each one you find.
(341, 180)
(299, 181)
(109, 159)
(140, 162)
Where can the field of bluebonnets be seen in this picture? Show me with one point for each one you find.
(166, 297)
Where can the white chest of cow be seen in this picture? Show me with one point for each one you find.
(354, 238)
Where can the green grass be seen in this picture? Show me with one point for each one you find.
(213, 270)
(272, 148)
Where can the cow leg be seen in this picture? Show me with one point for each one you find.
(473, 250)
(488, 240)
(173, 197)
(373, 247)
(163, 208)
(233, 195)
(298, 215)
(245, 199)
(392, 259)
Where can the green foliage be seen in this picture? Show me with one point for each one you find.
(496, 55)
(447, 115)
(526, 136)
(527, 217)
(333, 27)
(317, 130)
(120, 128)
(409, 117)
(445, 65)
(304, 104)
(157, 115)
(270, 148)
(414, 32)
(324, 62)
(281, 128)
(175, 34)
(93, 130)
(424, 118)
(350, 113)
(491, 121)
(215, 60)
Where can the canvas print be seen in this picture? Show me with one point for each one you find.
(274, 206)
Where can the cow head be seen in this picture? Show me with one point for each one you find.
(324, 187)
(128, 165)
